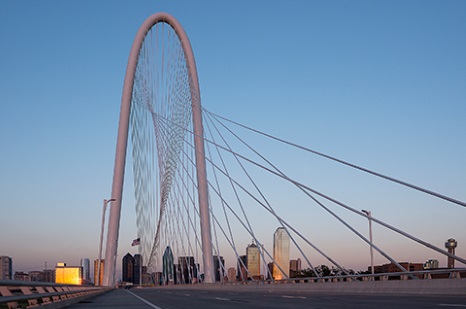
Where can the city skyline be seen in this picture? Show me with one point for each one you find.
(186, 270)
(378, 84)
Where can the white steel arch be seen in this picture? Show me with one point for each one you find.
(122, 141)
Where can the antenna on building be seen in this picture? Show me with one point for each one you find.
(45, 265)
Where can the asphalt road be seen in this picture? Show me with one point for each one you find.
(146, 298)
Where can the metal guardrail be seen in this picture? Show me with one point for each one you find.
(455, 273)
(23, 294)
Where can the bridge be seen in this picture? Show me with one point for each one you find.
(204, 192)
(225, 220)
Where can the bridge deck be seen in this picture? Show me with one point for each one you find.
(118, 298)
(286, 296)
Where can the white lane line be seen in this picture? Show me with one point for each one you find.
(452, 305)
(145, 301)
(220, 298)
(299, 297)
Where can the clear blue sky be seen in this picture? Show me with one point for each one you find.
(376, 83)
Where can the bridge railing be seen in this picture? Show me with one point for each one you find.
(456, 273)
(23, 294)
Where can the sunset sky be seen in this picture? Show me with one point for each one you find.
(381, 84)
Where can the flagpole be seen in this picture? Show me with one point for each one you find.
(137, 242)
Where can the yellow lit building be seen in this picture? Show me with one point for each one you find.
(253, 261)
(98, 281)
(68, 274)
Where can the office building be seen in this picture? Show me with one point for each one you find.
(392, 268)
(253, 261)
(21, 276)
(48, 275)
(219, 266)
(99, 279)
(68, 274)
(6, 268)
(137, 269)
(269, 270)
(86, 265)
(35, 276)
(128, 268)
(231, 274)
(168, 268)
(295, 267)
(431, 264)
(242, 273)
(281, 254)
(188, 270)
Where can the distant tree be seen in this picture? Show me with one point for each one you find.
(323, 271)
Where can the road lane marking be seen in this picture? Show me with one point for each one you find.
(299, 297)
(145, 301)
(452, 305)
(220, 298)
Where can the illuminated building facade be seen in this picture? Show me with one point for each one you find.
(96, 270)
(281, 254)
(68, 274)
(253, 261)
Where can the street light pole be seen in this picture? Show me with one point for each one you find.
(368, 213)
(101, 239)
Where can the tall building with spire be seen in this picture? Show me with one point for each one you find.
(281, 254)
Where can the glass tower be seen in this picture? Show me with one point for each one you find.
(281, 254)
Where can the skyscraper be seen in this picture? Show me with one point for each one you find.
(281, 254)
(137, 271)
(242, 263)
(128, 268)
(219, 268)
(188, 269)
(98, 279)
(295, 267)
(253, 261)
(6, 272)
(86, 265)
(168, 267)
